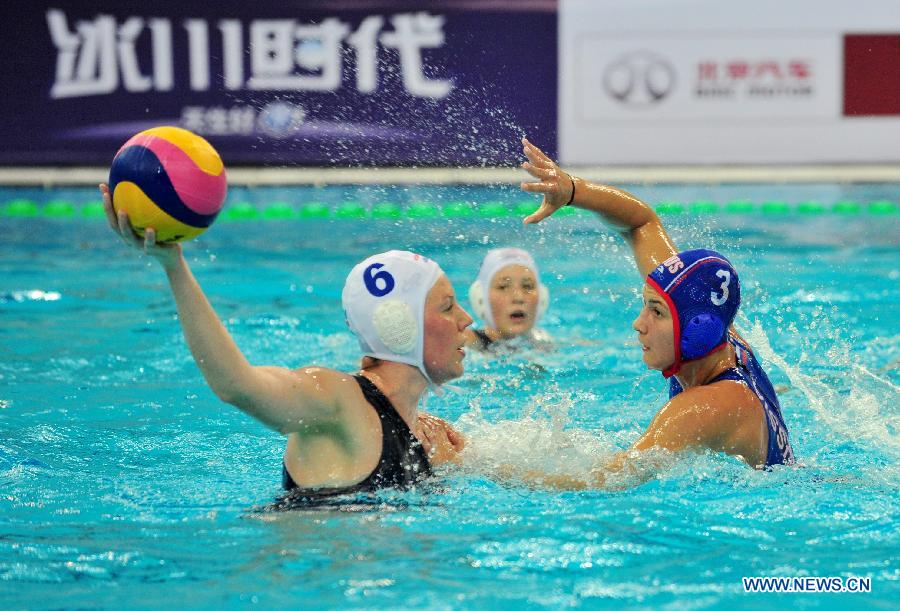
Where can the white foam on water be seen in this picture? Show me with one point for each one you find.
(863, 408)
(537, 440)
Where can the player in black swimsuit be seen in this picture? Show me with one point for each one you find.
(403, 462)
(344, 432)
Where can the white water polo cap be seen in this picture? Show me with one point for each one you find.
(495, 260)
(384, 303)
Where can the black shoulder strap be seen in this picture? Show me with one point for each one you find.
(484, 340)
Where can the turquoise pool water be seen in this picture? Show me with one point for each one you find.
(125, 483)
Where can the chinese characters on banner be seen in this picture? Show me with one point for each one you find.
(389, 83)
(100, 56)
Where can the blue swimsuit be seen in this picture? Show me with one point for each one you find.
(751, 373)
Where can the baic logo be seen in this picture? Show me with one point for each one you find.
(640, 78)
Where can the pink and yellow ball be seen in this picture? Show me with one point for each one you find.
(169, 179)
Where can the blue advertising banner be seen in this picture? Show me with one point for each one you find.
(346, 83)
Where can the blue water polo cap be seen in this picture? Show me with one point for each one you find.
(703, 293)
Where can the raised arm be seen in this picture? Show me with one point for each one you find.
(280, 398)
(632, 218)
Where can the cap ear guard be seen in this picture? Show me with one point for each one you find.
(700, 334)
(543, 301)
(395, 324)
(478, 302)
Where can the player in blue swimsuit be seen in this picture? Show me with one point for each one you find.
(720, 398)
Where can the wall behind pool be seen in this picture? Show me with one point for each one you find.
(341, 83)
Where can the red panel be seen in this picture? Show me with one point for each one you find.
(871, 74)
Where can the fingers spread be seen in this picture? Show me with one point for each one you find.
(540, 172)
(539, 187)
(538, 216)
(533, 151)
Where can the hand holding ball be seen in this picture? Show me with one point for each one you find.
(169, 179)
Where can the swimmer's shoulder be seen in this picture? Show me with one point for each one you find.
(724, 416)
(716, 408)
(338, 388)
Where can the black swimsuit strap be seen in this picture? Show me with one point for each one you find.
(484, 340)
(400, 449)
(403, 460)
(383, 406)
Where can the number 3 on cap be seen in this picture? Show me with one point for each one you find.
(371, 278)
(716, 299)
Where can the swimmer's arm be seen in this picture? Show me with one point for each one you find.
(619, 471)
(441, 441)
(693, 420)
(279, 398)
(720, 417)
(631, 217)
(218, 357)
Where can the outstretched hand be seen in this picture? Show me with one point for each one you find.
(557, 186)
(440, 440)
(120, 223)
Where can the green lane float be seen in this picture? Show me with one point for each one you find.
(775, 207)
(386, 210)
(350, 210)
(457, 209)
(240, 211)
(846, 207)
(810, 207)
(739, 206)
(704, 207)
(669, 208)
(882, 207)
(279, 211)
(92, 210)
(314, 210)
(20, 208)
(492, 209)
(420, 210)
(58, 208)
(525, 207)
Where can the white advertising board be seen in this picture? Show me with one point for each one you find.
(678, 82)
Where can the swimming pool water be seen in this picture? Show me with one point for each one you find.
(125, 482)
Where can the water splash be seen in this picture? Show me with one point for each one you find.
(537, 440)
(857, 407)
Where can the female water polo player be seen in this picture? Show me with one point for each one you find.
(509, 298)
(346, 433)
(719, 396)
